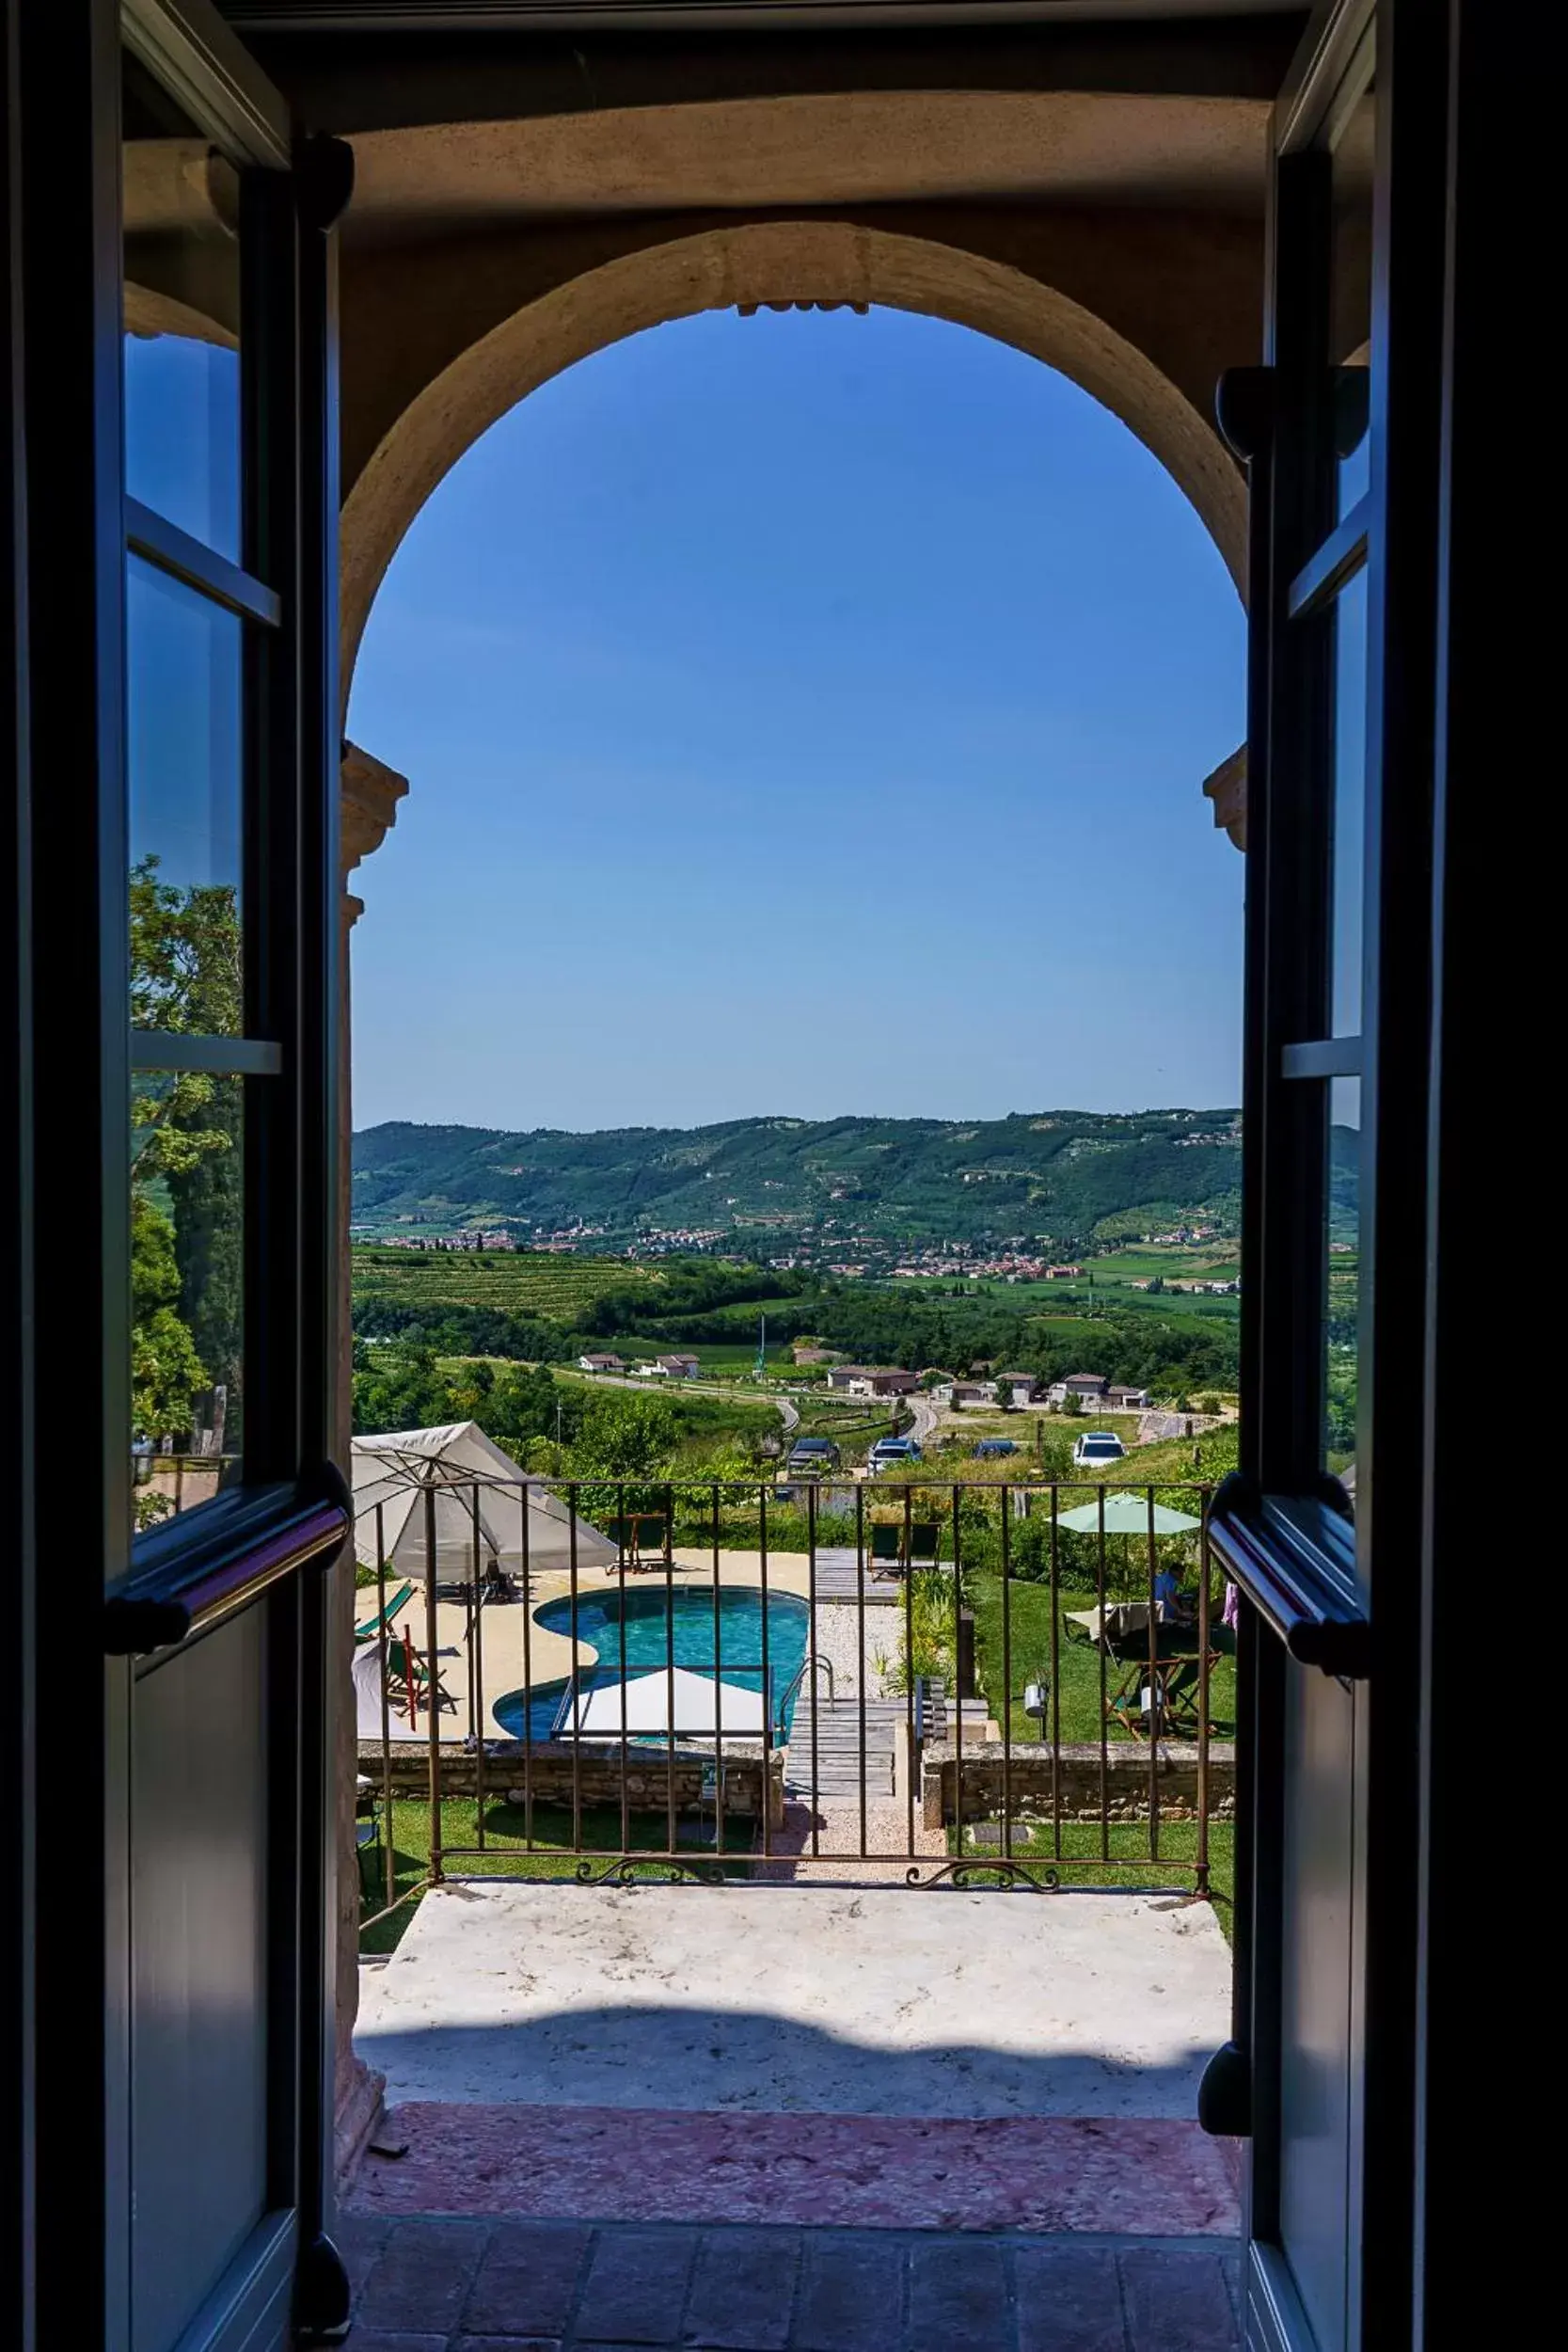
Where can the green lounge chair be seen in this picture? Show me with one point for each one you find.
(384, 1617)
(887, 1552)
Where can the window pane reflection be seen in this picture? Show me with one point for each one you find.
(183, 733)
(1351, 295)
(187, 1318)
(1350, 298)
(1342, 1285)
(182, 269)
(1349, 818)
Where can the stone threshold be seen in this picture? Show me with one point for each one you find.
(1126, 2176)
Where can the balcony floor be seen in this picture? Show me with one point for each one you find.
(440, 2285)
(861, 2057)
(849, 2000)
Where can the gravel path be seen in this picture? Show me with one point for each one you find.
(838, 1639)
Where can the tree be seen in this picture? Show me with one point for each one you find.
(527, 1403)
(209, 1242)
(1003, 1396)
(623, 1436)
(165, 1370)
(186, 1226)
(404, 1388)
(184, 982)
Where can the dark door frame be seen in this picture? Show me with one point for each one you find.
(1351, 1604)
(67, 1190)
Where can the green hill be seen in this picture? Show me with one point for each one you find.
(1057, 1177)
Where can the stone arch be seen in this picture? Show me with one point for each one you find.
(767, 263)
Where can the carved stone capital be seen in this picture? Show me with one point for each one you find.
(1226, 788)
(369, 808)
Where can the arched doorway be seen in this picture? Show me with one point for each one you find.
(774, 264)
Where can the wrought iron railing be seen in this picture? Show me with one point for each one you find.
(1080, 1635)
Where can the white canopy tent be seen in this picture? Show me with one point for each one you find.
(641, 1709)
(410, 1473)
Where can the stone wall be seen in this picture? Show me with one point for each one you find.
(1037, 1780)
(554, 1767)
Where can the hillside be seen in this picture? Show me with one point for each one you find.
(1058, 1177)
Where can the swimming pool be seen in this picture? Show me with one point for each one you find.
(649, 1622)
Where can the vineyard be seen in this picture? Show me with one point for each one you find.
(563, 1289)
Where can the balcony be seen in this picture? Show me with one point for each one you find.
(686, 1814)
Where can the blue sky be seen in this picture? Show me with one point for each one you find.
(803, 714)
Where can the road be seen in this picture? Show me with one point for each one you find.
(923, 1416)
(788, 1413)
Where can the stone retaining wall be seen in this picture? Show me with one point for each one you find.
(1036, 1782)
(554, 1765)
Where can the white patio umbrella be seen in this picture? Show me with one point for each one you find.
(409, 1473)
(642, 1706)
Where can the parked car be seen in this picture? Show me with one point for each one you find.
(810, 1456)
(1097, 1447)
(891, 1453)
(988, 1448)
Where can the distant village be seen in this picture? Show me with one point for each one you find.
(852, 1258)
(874, 1381)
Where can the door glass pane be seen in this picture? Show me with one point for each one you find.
(1342, 1299)
(182, 258)
(184, 760)
(187, 1289)
(184, 736)
(1351, 294)
(1349, 814)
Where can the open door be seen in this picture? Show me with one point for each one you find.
(178, 907)
(1322, 1528)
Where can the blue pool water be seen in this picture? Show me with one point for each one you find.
(652, 1621)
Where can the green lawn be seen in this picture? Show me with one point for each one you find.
(505, 1833)
(1075, 1852)
(719, 1359)
(1078, 1663)
(1029, 1431)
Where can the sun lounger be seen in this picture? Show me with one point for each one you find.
(372, 1624)
(895, 1547)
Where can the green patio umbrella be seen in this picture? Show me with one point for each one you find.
(1127, 1515)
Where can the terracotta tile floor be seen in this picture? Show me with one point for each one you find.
(429, 2284)
(1159, 2176)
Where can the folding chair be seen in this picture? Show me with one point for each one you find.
(635, 1534)
(925, 1536)
(887, 1550)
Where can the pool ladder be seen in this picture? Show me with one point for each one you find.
(812, 1663)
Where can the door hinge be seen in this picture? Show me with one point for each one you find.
(323, 172)
(1245, 403)
(1225, 2094)
(322, 2296)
